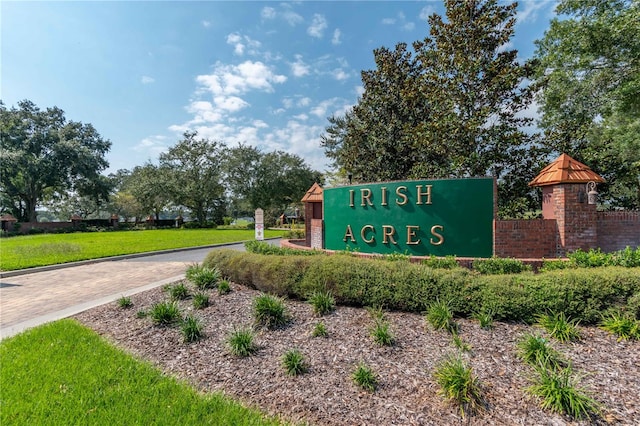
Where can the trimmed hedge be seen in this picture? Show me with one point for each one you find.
(585, 294)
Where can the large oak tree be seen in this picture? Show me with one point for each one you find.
(44, 155)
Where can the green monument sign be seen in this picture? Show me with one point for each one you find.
(440, 217)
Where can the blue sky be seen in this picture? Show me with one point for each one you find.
(263, 73)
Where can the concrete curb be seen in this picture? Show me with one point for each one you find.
(15, 273)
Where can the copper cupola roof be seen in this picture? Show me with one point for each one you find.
(565, 170)
(313, 194)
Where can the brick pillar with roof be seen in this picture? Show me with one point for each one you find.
(313, 217)
(565, 187)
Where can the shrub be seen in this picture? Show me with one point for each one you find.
(624, 327)
(440, 317)
(322, 302)
(125, 302)
(536, 351)
(377, 313)
(459, 385)
(269, 311)
(589, 259)
(178, 291)
(397, 257)
(381, 333)
(293, 362)
(364, 377)
(633, 305)
(262, 247)
(554, 265)
(224, 287)
(200, 300)
(192, 270)
(498, 265)
(560, 393)
(560, 327)
(165, 313)
(447, 262)
(191, 328)
(241, 342)
(319, 330)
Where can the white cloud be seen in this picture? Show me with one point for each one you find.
(290, 16)
(153, 145)
(531, 8)
(260, 124)
(303, 102)
(287, 103)
(301, 117)
(339, 74)
(388, 21)
(268, 13)
(240, 43)
(506, 46)
(409, 26)
(238, 79)
(317, 27)
(147, 80)
(230, 103)
(336, 37)
(299, 68)
(426, 12)
(328, 107)
(203, 112)
(206, 24)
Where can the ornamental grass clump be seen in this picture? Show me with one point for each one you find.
(241, 342)
(294, 363)
(626, 328)
(270, 312)
(125, 302)
(560, 392)
(165, 313)
(364, 377)
(206, 278)
(224, 287)
(178, 292)
(322, 302)
(320, 330)
(382, 334)
(560, 327)
(485, 319)
(200, 300)
(192, 328)
(536, 351)
(458, 385)
(440, 316)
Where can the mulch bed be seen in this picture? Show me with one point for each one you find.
(407, 393)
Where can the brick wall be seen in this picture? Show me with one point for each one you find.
(525, 238)
(617, 230)
(317, 233)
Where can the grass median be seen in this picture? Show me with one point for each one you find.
(62, 373)
(49, 249)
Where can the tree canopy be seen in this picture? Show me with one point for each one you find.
(43, 155)
(589, 72)
(451, 108)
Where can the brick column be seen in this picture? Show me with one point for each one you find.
(576, 219)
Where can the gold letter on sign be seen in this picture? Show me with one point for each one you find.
(349, 234)
(366, 195)
(400, 192)
(388, 232)
(411, 233)
(363, 232)
(351, 197)
(421, 194)
(434, 232)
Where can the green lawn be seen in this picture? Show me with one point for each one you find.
(49, 249)
(63, 374)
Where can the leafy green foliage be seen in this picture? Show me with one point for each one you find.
(294, 363)
(125, 302)
(594, 258)
(447, 262)
(322, 302)
(536, 351)
(142, 314)
(165, 313)
(440, 316)
(461, 344)
(269, 311)
(364, 377)
(206, 278)
(262, 247)
(559, 326)
(459, 385)
(241, 342)
(320, 330)
(497, 265)
(622, 326)
(397, 257)
(485, 318)
(42, 154)
(560, 392)
(200, 300)
(191, 328)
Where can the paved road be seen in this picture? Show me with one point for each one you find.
(31, 299)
